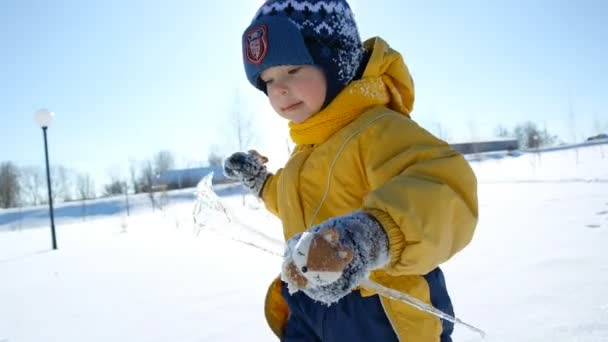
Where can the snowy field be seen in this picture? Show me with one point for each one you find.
(537, 269)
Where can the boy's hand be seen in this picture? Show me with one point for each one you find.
(317, 259)
(248, 168)
(330, 260)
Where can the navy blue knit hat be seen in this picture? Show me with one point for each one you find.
(292, 32)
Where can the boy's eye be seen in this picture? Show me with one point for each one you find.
(294, 71)
(267, 81)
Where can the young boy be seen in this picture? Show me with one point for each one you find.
(377, 195)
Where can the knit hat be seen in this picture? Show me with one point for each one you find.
(304, 32)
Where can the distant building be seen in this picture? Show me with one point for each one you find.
(486, 146)
(188, 178)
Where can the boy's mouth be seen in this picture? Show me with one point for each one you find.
(291, 107)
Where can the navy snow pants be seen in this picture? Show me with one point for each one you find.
(354, 318)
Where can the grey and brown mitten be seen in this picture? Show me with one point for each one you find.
(329, 260)
(249, 168)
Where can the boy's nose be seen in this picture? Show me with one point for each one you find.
(279, 88)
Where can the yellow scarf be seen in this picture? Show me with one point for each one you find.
(386, 81)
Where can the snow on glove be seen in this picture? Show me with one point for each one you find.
(330, 260)
(248, 168)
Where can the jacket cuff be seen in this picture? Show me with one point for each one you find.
(396, 238)
(260, 193)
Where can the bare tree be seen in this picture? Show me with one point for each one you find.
(241, 124)
(214, 159)
(190, 163)
(242, 128)
(126, 186)
(119, 185)
(474, 139)
(85, 186)
(85, 189)
(572, 126)
(163, 161)
(133, 176)
(441, 132)
(599, 127)
(572, 122)
(32, 185)
(61, 183)
(502, 132)
(10, 190)
(64, 182)
(57, 190)
(115, 187)
(147, 183)
(531, 137)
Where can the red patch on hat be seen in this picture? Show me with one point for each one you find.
(256, 44)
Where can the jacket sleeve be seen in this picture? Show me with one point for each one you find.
(422, 192)
(269, 192)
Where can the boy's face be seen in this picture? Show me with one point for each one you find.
(296, 92)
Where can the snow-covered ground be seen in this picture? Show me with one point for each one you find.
(537, 269)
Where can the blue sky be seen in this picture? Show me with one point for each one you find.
(129, 78)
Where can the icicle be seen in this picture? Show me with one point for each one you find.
(417, 303)
(208, 203)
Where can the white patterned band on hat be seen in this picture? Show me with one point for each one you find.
(329, 6)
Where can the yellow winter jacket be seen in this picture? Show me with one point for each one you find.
(375, 158)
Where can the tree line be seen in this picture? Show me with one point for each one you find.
(22, 186)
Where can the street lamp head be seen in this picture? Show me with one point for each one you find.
(44, 117)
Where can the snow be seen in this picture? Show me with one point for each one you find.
(537, 269)
(156, 281)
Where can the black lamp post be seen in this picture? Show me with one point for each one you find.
(44, 117)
